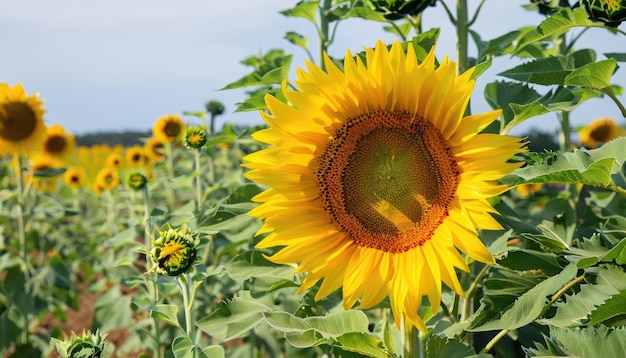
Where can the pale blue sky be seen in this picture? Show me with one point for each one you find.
(121, 64)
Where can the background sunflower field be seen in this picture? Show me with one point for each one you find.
(156, 249)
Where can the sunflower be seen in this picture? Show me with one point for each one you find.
(75, 177)
(107, 179)
(21, 120)
(169, 128)
(40, 163)
(135, 156)
(377, 180)
(154, 149)
(114, 160)
(599, 131)
(59, 145)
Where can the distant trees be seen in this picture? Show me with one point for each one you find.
(127, 138)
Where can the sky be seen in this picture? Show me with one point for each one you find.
(121, 64)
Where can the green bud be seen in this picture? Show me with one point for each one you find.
(88, 345)
(397, 9)
(174, 251)
(195, 138)
(611, 12)
(136, 181)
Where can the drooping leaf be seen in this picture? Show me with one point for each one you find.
(362, 343)
(166, 313)
(440, 347)
(182, 347)
(611, 308)
(529, 306)
(303, 9)
(254, 264)
(234, 318)
(297, 39)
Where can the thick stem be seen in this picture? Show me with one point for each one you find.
(462, 30)
(184, 281)
(323, 30)
(198, 182)
(21, 229)
(412, 345)
(566, 130)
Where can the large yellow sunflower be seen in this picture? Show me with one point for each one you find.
(377, 180)
(21, 120)
(59, 145)
(169, 128)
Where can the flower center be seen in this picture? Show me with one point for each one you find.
(172, 254)
(172, 129)
(55, 144)
(601, 133)
(17, 121)
(388, 178)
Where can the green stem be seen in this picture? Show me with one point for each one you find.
(198, 182)
(566, 131)
(412, 344)
(170, 159)
(323, 30)
(617, 101)
(462, 31)
(469, 295)
(184, 281)
(21, 228)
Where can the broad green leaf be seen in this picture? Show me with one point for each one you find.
(423, 42)
(254, 264)
(556, 25)
(367, 13)
(589, 252)
(303, 9)
(212, 352)
(617, 56)
(574, 309)
(233, 319)
(592, 167)
(500, 95)
(553, 244)
(591, 342)
(182, 347)
(166, 313)
(495, 47)
(49, 172)
(440, 347)
(113, 310)
(339, 322)
(526, 260)
(306, 339)
(617, 253)
(595, 75)
(362, 343)
(530, 305)
(612, 307)
(551, 70)
(286, 322)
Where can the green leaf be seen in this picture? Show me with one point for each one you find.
(556, 25)
(612, 307)
(595, 75)
(526, 260)
(49, 172)
(286, 322)
(423, 42)
(551, 70)
(617, 56)
(233, 319)
(339, 322)
(362, 343)
(166, 313)
(592, 167)
(182, 347)
(296, 39)
(530, 305)
(503, 94)
(574, 309)
(254, 264)
(212, 352)
(553, 244)
(440, 347)
(592, 342)
(303, 9)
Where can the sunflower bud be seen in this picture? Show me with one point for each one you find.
(611, 12)
(195, 138)
(136, 181)
(174, 251)
(397, 9)
(88, 345)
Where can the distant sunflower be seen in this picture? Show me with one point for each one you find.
(107, 179)
(377, 180)
(169, 128)
(154, 149)
(75, 177)
(114, 160)
(40, 164)
(598, 132)
(21, 120)
(59, 145)
(135, 157)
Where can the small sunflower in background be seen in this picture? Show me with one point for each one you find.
(377, 181)
(22, 127)
(107, 178)
(169, 129)
(75, 177)
(59, 145)
(598, 132)
(175, 251)
(40, 167)
(114, 160)
(135, 157)
(525, 190)
(154, 149)
(136, 181)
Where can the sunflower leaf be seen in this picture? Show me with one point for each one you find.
(440, 347)
(595, 75)
(611, 308)
(591, 342)
(339, 322)
(551, 70)
(530, 305)
(362, 343)
(254, 264)
(233, 318)
(303, 9)
(296, 39)
(592, 167)
(556, 25)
